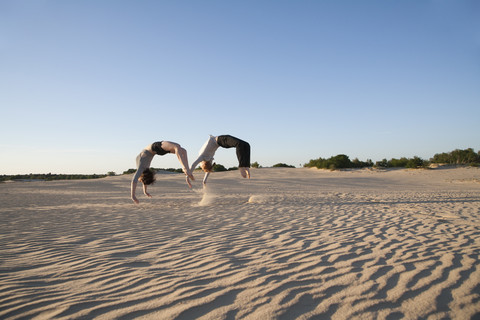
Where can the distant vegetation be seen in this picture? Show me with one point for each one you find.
(218, 168)
(282, 165)
(456, 157)
(340, 161)
(50, 177)
(467, 156)
(411, 163)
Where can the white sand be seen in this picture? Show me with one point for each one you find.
(287, 244)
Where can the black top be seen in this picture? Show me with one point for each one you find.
(157, 148)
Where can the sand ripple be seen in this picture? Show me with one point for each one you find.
(251, 251)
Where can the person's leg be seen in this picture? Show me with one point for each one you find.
(242, 150)
(245, 172)
(227, 141)
(243, 154)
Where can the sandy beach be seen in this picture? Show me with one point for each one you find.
(286, 244)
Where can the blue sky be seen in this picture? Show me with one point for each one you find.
(85, 85)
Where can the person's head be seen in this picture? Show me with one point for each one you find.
(207, 166)
(147, 177)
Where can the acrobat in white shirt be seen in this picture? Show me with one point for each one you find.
(206, 153)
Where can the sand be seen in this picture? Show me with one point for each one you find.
(287, 244)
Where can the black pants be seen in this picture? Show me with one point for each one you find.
(243, 148)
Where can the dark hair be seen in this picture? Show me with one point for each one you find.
(148, 176)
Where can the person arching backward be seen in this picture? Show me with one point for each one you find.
(145, 175)
(205, 158)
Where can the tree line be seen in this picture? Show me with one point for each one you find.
(50, 177)
(455, 157)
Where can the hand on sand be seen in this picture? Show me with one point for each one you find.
(188, 174)
(135, 200)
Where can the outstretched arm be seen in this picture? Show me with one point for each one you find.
(182, 158)
(132, 191)
(187, 179)
(205, 178)
(134, 187)
(145, 190)
(195, 163)
(192, 168)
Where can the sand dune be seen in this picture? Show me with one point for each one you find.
(287, 244)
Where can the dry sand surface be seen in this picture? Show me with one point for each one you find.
(287, 244)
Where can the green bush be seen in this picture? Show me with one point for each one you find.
(362, 164)
(340, 161)
(50, 176)
(397, 163)
(282, 165)
(218, 168)
(382, 164)
(414, 163)
(457, 156)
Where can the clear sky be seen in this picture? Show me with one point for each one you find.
(85, 85)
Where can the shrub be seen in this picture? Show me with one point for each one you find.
(218, 167)
(414, 163)
(397, 163)
(362, 164)
(457, 156)
(340, 161)
(50, 176)
(382, 164)
(282, 165)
